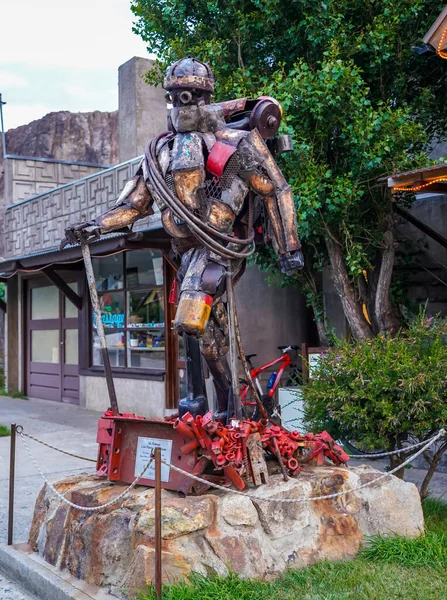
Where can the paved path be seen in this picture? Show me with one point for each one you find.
(65, 426)
(11, 591)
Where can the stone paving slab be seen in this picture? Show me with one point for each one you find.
(9, 590)
(40, 578)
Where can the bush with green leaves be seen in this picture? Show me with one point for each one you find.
(378, 391)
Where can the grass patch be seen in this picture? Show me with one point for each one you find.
(20, 395)
(4, 431)
(387, 569)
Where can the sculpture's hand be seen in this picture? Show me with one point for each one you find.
(88, 230)
(294, 261)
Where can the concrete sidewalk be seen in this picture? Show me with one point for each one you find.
(62, 425)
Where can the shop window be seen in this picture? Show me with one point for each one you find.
(131, 297)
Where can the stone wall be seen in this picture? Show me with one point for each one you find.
(38, 223)
(26, 177)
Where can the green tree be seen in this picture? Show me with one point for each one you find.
(358, 103)
(380, 390)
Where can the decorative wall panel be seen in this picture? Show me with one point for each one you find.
(38, 223)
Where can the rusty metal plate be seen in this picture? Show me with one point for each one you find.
(124, 462)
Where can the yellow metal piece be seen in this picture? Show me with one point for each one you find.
(193, 313)
(187, 183)
(261, 184)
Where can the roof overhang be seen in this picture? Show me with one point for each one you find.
(433, 178)
(435, 35)
(109, 244)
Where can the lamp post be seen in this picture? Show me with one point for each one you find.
(3, 128)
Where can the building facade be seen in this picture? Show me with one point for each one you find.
(51, 340)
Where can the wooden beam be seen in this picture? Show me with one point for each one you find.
(57, 280)
(434, 235)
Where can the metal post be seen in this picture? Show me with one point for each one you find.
(12, 469)
(3, 127)
(233, 343)
(157, 453)
(99, 325)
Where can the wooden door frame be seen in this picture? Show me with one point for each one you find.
(28, 284)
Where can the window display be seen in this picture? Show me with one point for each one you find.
(137, 311)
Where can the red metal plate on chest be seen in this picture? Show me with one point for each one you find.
(126, 445)
(218, 158)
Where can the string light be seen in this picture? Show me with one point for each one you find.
(440, 51)
(399, 188)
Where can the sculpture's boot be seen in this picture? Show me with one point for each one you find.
(195, 401)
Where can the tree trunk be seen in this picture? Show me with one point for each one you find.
(359, 326)
(321, 330)
(434, 462)
(384, 310)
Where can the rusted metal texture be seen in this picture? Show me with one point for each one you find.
(12, 470)
(221, 216)
(256, 457)
(260, 183)
(118, 449)
(169, 224)
(231, 106)
(187, 183)
(187, 152)
(99, 324)
(275, 222)
(266, 117)
(189, 73)
(235, 194)
(193, 312)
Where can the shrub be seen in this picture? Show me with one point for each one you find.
(380, 390)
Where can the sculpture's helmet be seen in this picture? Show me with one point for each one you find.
(189, 74)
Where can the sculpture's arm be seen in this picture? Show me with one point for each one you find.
(134, 203)
(266, 179)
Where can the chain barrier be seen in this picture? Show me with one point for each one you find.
(306, 498)
(301, 499)
(371, 455)
(21, 432)
(404, 450)
(77, 506)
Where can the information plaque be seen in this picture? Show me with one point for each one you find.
(144, 451)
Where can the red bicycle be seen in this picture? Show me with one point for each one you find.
(251, 408)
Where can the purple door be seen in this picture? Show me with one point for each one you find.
(52, 348)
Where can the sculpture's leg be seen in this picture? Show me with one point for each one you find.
(195, 401)
(201, 314)
(214, 347)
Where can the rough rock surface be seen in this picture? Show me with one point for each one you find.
(86, 137)
(255, 537)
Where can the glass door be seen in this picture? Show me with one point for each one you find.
(52, 348)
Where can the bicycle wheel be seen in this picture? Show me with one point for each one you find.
(251, 407)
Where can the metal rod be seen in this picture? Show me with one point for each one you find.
(3, 127)
(233, 343)
(99, 324)
(12, 471)
(158, 551)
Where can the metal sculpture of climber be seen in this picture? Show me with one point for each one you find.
(215, 181)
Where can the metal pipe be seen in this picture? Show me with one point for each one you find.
(233, 343)
(99, 324)
(158, 550)
(12, 469)
(3, 128)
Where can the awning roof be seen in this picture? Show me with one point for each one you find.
(108, 244)
(420, 178)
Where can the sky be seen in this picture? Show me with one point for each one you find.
(63, 55)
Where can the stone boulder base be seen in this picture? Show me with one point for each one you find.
(114, 548)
